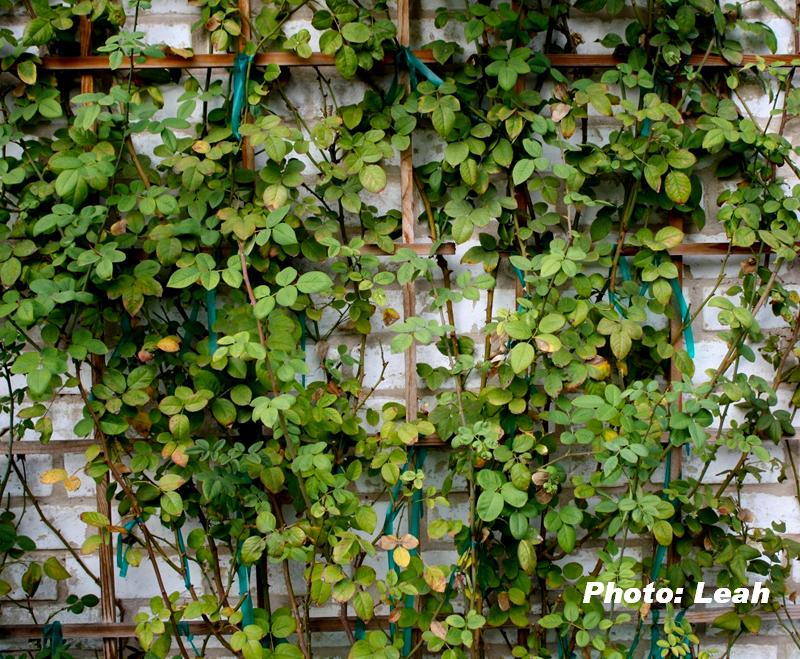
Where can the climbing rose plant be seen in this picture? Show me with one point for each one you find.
(216, 322)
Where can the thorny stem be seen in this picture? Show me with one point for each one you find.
(290, 451)
(137, 511)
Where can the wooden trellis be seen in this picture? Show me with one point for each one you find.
(110, 630)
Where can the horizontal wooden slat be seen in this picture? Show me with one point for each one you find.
(53, 447)
(323, 624)
(709, 249)
(223, 61)
(423, 249)
(215, 61)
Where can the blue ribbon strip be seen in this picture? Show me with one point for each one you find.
(239, 95)
(187, 579)
(52, 639)
(415, 65)
(415, 515)
(243, 574)
(211, 308)
(677, 294)
(122, 560)
(183, 630)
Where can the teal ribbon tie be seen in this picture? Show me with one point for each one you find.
(686, 317)
(417, 66)
(239, 95)
(211, 308)
(187, 579)
(677, 294)
(415, 517)
(53, 639)
(243, 575)
(122, 559)
(184, 630)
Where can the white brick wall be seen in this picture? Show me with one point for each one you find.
(171, 22)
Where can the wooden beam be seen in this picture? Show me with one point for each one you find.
(223, 61)
(213, 61)
(53, 447)
(124, 630)
(423, 249)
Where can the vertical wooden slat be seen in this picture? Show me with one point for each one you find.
(676, 338)
(106, 553)
(248, 158)
(409, 220)
(248, 162)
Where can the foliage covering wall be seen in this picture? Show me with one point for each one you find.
(235, 353)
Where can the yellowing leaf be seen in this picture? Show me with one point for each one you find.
(169, 344)
(669, 237)
(72, 483)
(390, 316)
(27, 72)
(678, 187)
(558, 111)
(401, 556)
(93, 518)
(438, 630)
(409, 541)
(387, 542)
(434, 577)
(55, 570)
(170, 482)
(179, 457)
(52, 476)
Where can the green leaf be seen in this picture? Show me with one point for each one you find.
(551, 323)
(364, 605)
(39, 381)
(526, 555)
(172, 503)
(356, 32)
(38, 32)
(224, 411)
(373, 178)
(10, 271)
(566, 538)
(669, 237)
(678, 187)
(54, 569)
(443, 119)
(653, 177)
(252, 549)
(523, 170)
(456, 153)
(71, 186)
(314, 282)
(27, 72)
(490, 505)
(347, 61)
(183, 277)
(551, 621)
(366, 519)
(662, 530)
(179, 426)
(282, 624)
(728, 621)
(681, 159)
(620, 342)
(513, 496)
(522, 356)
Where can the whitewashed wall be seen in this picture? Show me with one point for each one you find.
(170, 21)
